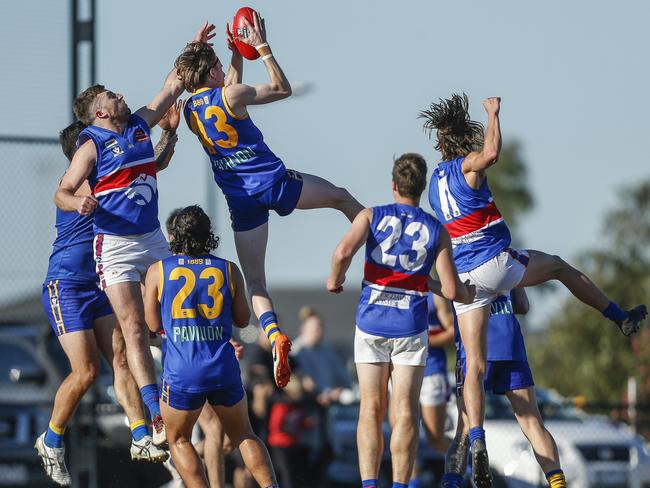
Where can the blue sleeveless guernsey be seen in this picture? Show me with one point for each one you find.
(241, 161)
(505, 340)
(437, 357)
(475, 225)
(124, 179)
(195, 296)
(72, 251)
(400, 251)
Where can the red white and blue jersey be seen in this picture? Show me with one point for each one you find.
(400, 251)
(476, 227)
(437, 357)
(124, 179)
(241, 161)
(196, 296)
(72, 250)
(505, 340)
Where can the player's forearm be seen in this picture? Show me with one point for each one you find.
(278, 80)
(443, 339)
(492, 141)
(65, 199)
(236, 70)
(163, 151)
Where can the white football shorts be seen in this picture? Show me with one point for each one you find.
(409, 351)
(120, 259)
(496, 277)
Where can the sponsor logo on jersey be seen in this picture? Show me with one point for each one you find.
(140, 136)
(230, 162)
(387, 299)
(196, 333)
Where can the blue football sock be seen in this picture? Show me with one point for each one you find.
(149, 394)
(452, 480)
(414, 483)
(399, 485)
(369, 484)
(54, 436)
(476, 433)
(614, 312)
(139, 429)
(269, 323)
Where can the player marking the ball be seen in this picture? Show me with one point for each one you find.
(253, 179)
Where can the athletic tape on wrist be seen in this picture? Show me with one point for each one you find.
(264, 58)
(265, 44)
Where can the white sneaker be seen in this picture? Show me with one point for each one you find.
(146, 450)
(53, 459)
(158, 428)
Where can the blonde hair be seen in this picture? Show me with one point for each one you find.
(194, 64)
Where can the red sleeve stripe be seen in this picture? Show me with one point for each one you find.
(391, 278)
(484, 217)
(123, 178)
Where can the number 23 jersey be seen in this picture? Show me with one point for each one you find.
(195, 295)
(400, 251)
(241, 161)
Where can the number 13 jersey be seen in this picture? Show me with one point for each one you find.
(477, 229)
(400, 251)
(195, 295)
(241, 161)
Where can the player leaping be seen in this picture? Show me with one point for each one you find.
(116, 156)
(461, 199)
(253, 179)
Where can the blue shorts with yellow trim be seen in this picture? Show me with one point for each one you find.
(73, 306)
(500, 376)
(250, 211)
(182, 400)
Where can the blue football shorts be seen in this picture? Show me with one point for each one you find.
(73, 306)
(500, 376)
(250, 211)
(182, 400)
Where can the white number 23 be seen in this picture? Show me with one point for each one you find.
(381, 253)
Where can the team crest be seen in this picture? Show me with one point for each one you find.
(54, 301)
(114, 146)
(142, 189)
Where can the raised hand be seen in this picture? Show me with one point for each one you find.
(172, 117)
(230, 40)
(205, 33)
(256, 32)
(492, 105)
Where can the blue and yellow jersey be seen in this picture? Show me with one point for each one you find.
(242, 162)
(196, 296)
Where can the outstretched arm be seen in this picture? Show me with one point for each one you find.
(347, 248)
(173, 87)
(164, 150)
(80, 168)
(450, 284)
(478, 162)
(236, 71)
(239, 96)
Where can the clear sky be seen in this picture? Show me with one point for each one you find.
(572, 77)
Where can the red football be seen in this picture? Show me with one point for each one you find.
(239, 30)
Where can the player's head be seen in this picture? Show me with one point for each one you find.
(457, 135)
(198, 65)
(68, 138)
(96, 102)
(191, 233)
(409, 176)
(171, 220)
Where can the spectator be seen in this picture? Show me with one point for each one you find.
(318, 360)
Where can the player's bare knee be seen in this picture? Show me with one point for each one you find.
(371, 409)
(86, 375)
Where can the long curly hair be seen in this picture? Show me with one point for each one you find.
(193, 65)
(192, 234)
(457, 135)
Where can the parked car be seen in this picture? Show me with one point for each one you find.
(594, 451)
(28, 381)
